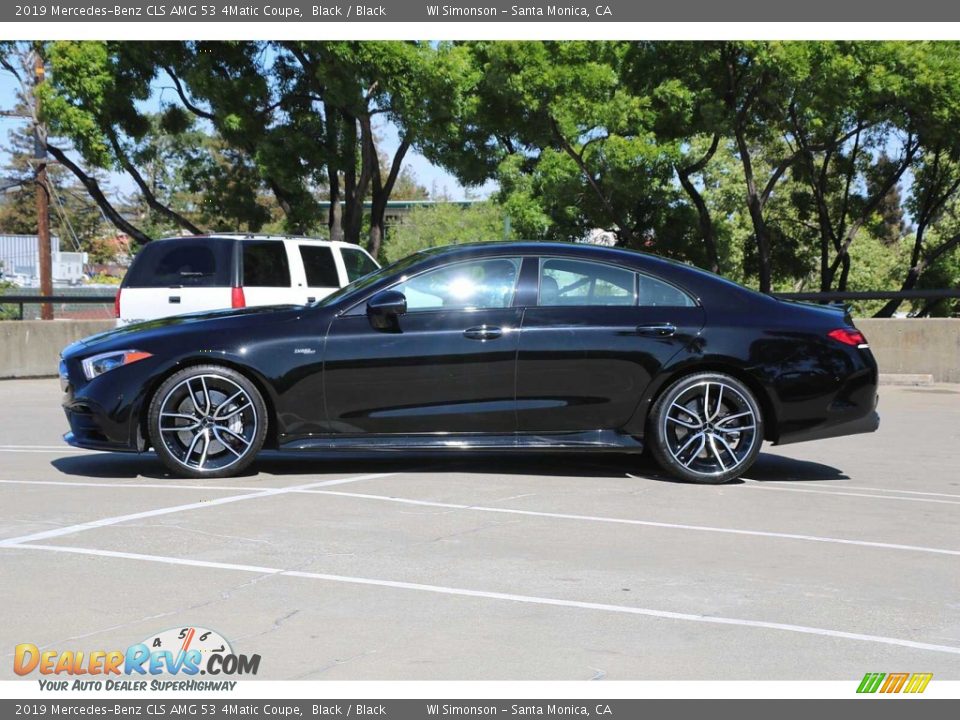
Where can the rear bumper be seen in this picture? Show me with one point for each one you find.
(867, 424)
(843, 417)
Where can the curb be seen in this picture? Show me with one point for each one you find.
(905, 379)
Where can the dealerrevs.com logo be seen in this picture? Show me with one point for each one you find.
(888, 683)
(171, 660)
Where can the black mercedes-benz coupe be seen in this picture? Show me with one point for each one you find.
(491, 346)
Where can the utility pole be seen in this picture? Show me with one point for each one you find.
(43, 193)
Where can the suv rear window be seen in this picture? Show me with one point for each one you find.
(357, 262)
(265, 264)
(319, 265)
(182, 262)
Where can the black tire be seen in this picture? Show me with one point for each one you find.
(207, 421)
(706, 428)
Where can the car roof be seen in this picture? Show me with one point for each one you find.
(701, 282)
(258, 237)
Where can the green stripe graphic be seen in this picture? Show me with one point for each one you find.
(870, 682)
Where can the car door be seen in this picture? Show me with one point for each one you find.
(266, 273)
(448, 365)
(598, 334)
(356, 263)
(321, 274)
(177, 276)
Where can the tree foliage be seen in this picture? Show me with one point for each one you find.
(787, 165)
(447, 224)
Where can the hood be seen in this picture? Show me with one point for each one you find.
(154, 331)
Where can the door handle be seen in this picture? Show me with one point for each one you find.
(483, 332)
(657, 330)
(311, 298)
(175, 299)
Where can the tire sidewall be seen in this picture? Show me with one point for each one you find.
(153, 421)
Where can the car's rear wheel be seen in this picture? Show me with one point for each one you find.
(207, 421)
(706, 428)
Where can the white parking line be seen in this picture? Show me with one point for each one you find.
(46, 451)
(510, 597)
(134, 486)
(861, 487)
(510, 511)
(266, 492)
(763, 486)
(64, 446)
(645, 523)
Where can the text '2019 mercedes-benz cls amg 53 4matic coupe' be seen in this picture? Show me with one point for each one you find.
(490, 346)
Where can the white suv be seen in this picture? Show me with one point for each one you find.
(209, 272)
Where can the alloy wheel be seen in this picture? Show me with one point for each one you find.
(208, 422)
(710, 428)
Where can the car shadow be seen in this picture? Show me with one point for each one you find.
(777, 468)
(588, 465)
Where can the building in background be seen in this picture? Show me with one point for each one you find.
(20, 261)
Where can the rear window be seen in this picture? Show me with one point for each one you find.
(265, 264)
(186, 262)
(358, 263)
(319, 265)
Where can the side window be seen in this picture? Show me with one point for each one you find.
(182, 263)
(577, 282)
(357, 263)
(265, 264)
(656, 293)
(487, 283)
(319, 265)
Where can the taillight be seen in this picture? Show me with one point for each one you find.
(849, 336)
(237, 300)
(116, 303)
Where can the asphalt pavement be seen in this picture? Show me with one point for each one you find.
(830, 560)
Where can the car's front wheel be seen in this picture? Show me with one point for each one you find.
(706, 428)
(207, 421)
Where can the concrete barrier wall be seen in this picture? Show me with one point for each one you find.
(916, 345)
(31, 348)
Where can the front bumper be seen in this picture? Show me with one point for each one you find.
(93, 429)
(104, 413)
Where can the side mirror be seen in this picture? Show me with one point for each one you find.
(385, 308)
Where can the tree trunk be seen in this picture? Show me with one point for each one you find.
(93, 188)
(755, 206)
(623, 228)
(147, 193)
(335, 213)
(707, 231)
(352, 197)
(381, 196)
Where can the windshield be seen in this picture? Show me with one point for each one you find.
(367, 280)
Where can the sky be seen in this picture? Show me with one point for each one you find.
(435, 179)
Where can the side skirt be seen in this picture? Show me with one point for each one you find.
(596, 440)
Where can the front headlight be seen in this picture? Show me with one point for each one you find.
(104, 362)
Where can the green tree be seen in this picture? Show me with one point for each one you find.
(559, 113)
(445, 224)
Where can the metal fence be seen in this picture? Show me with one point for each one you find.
(79, 304)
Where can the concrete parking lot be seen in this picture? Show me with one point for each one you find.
(830, 560)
